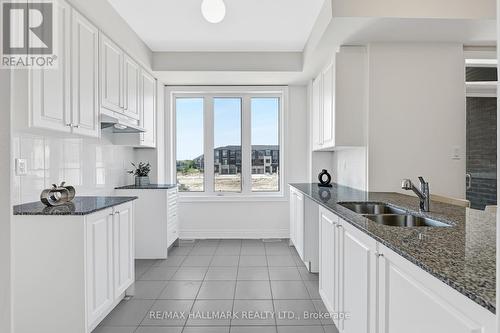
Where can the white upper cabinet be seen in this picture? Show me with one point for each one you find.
(111, 64)
(50, 100)
(131, 71)
(317, 109)
(85, 76)
(339, 101)
(148, 109)
(65, 99)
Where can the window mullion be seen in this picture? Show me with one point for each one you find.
(208, 107)
(246, 149)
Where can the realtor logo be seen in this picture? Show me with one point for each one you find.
(28, 34)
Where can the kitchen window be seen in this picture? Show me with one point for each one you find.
(228, 141)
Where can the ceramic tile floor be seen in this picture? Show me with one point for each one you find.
(259, 282)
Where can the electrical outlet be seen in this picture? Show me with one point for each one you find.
(21, 167)
(456, 153)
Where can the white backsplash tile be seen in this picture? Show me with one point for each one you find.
(94, 167)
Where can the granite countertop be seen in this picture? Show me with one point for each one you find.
(147, 187)
(462, 256)
(78, 206)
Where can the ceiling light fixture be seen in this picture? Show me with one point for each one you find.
(213, 11)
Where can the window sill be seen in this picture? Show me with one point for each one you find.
(278, 197)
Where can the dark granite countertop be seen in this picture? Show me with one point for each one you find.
(78, 206)
(147, 187)
(462, 256)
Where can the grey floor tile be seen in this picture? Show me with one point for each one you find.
(298, 308)
(157, 315)
(221, 274)
(181, 290)
(205, 308)
(128, 313)
(306, 275)
(197, 261)
(150, 329)
(321, 309)
(330, 329)
(148, 289)
(313, 289)
(283, 261)
(278, 250)
(284, 273)
(253, 329)
(159, 273)
(253, 261)
(180, 251)
(207, 242)
(217, 290)
(253, 290)
(172, 261)
(228, 251)
(289, 290)
(253, 312)
(203, 251)
(253, 273)
(225, 261)
(190, 274)
(253, 250)
(300, 329)
(114, 329)
(206, 329)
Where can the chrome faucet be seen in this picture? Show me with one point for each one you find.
(423, 194)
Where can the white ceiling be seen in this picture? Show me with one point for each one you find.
(249, 25)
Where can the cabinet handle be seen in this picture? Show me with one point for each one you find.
(76, 126)
(378, 254)
(116, 213)
(339, 226)
(69, 125)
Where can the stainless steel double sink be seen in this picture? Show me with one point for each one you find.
(384, 214)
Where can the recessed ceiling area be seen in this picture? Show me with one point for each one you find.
(249, 25)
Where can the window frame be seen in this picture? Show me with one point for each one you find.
(246, 93)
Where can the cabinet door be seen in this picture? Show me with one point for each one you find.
(99, 263)
(328, 258)
(148, 110)
(123, 244)
(412, 301)
(357, 279)
(328, 116)
(131, 90)
(111, 69)
(299, 223)
(317, 106)
(50, 89)
(85, 76)
(292, 216)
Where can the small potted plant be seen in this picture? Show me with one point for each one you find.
(141, 173)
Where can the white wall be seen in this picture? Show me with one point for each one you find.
(5, 202)
(416, 116)
(350, 167)
(104, 16)
(255, 219)
(478, 9)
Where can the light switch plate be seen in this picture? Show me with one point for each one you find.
(21, 167)
(456, 153)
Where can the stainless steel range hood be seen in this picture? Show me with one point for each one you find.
(120, 125)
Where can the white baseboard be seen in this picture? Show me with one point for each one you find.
(233, 234)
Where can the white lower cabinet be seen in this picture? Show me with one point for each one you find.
(413, 301)
(155, 229)
(297, 221)
(99, 264)
(71, 271)
(370, 288)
